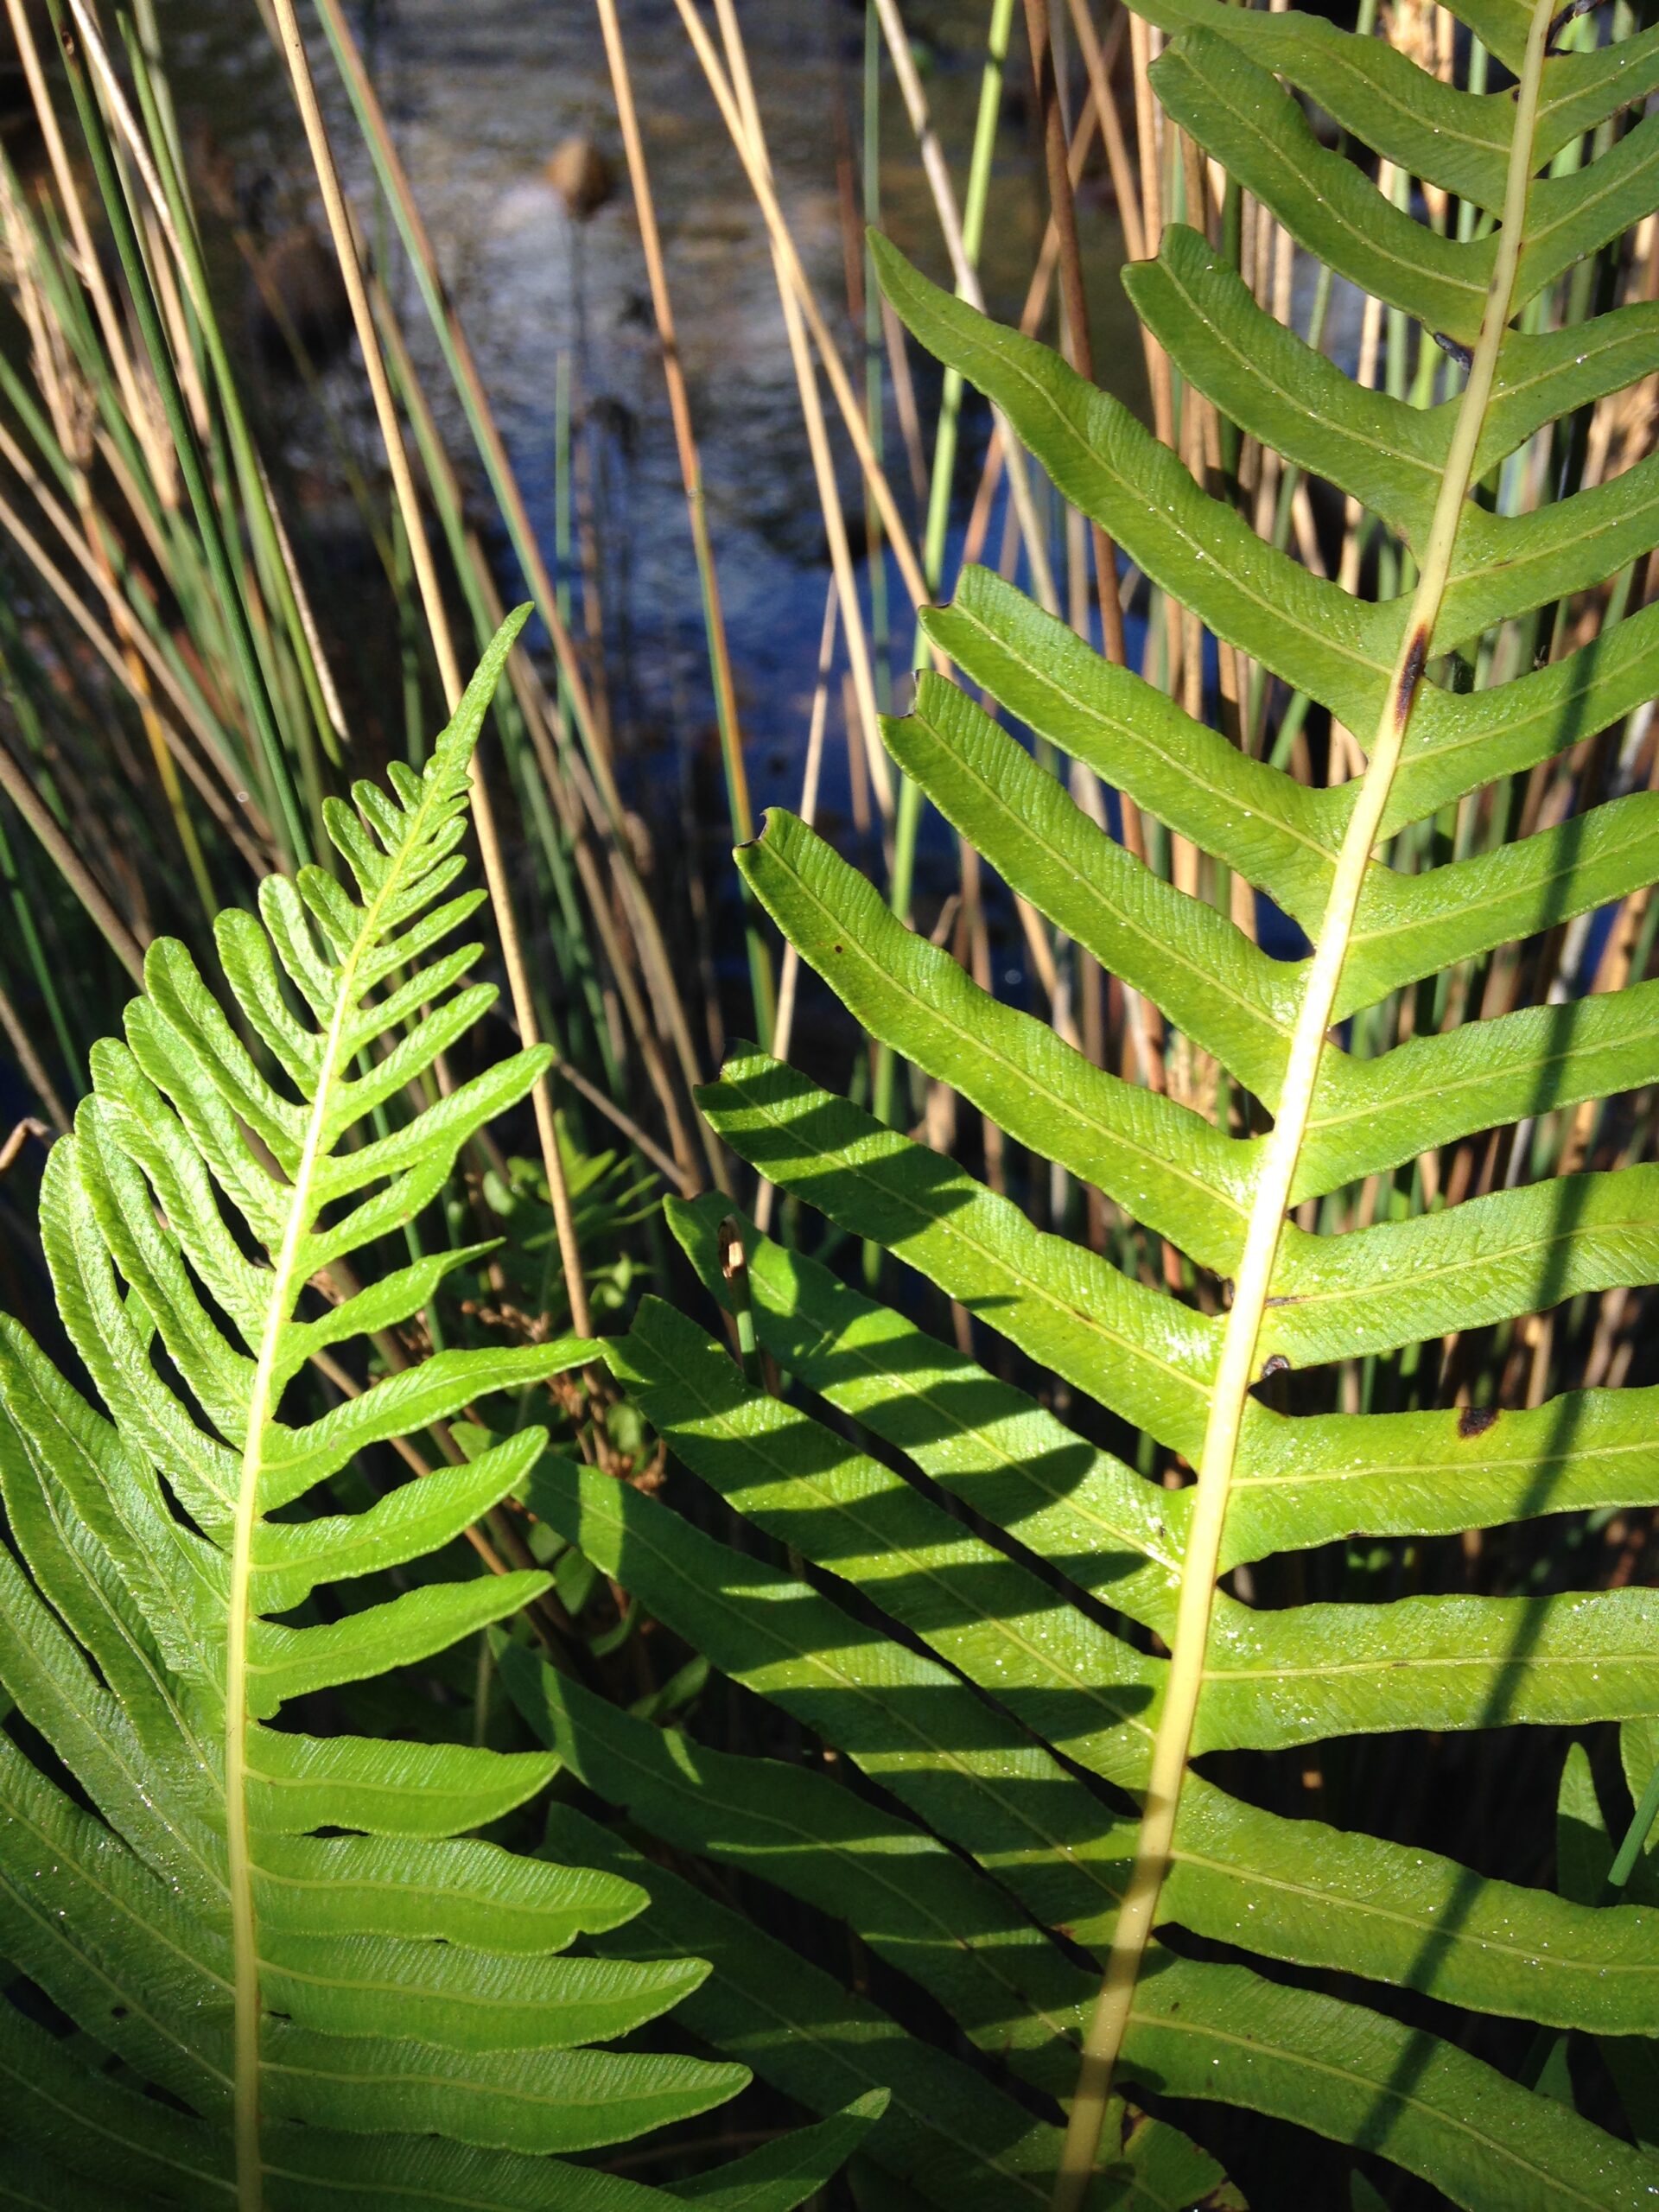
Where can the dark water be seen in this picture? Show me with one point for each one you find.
(479, 96)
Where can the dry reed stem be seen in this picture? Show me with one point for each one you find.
(852, 414)
(20, 792)
(437, 620)
(904, 399)
(965, 277)
(1063, 219)
(28, 1126)
(680, 411)
(1145, 45)
(29, 1061)
(589, 764)
(790, 975)
(303, 605)
(752, 149)
(91, 268)
(502, 475)
(1098, 63)
(539, 719)
(109, 653)
(1062, 210)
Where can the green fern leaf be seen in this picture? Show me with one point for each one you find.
(343, 1998)
(975, 1636)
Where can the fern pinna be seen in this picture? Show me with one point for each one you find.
(292, 1975)
(1029, 1684)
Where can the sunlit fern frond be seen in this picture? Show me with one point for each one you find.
(1004, 1679)
(293, 1975)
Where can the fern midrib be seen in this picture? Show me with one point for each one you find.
(1235, 1369)
(1366, 1107)
(1638, 1650)
(1550, 702)
(1512, 568)
(1427, 1922)
(1491, 1465)
(1633, 327)
(1612, 180)
(1631, 832)
(1377, 88)
(288, 1280)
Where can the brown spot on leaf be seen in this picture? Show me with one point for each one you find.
(1558, 22)
(1411, 671)
(1475, 1421)
(1277, 1365)
(1454, 350)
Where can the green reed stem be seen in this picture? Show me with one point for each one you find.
(874, 366)
(180, 429)
(907, 811)
(252, 491)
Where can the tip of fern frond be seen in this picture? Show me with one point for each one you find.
(454, 745)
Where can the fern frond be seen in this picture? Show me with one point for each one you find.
(344, 1997)
(977, 1634)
